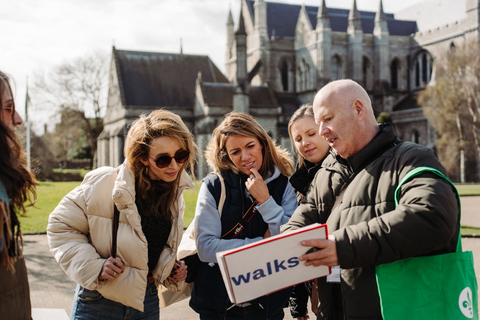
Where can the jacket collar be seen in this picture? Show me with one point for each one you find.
(302, 177)
(384, 138)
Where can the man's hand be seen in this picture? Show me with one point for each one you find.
(325, 256)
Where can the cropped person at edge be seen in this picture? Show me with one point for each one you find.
(17, 185)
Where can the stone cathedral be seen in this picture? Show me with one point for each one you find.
(277, 57)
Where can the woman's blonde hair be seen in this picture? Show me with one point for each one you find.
(244, 125)
(305, 111)
(159, 123)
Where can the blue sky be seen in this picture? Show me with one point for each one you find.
(39, 34)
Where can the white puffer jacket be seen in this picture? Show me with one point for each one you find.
(80, 235)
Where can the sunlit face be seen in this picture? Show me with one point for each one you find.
(244, 152)
(337, 125)
(9, 116)
(308, 141)
(159, 147)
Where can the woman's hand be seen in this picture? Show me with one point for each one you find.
(179, 272)
(112, 267)
(257, 187)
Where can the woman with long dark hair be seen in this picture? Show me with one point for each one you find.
(17, 185)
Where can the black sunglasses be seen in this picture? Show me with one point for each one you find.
(164, 161)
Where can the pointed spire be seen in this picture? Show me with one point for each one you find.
(354, 21)
(241, 43)
(230, 16)
(354, 14)
(181, 46)
(261, 30)
(199, 77)
(323, 18)
(380, 28)
(241, 23)
(380, 13)
(322, 10)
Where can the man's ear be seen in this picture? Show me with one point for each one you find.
(359, 109)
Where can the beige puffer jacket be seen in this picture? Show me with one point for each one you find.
(80, 235)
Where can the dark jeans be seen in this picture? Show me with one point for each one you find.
(91, 305)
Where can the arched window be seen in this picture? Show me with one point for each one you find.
(415, 136)
(425, 72)
(366, 72)
(417, 74)
(336, 68)
(452, 47)
(394, 74)
(306, 75)
(423, 69)
(285, 76)
(300, 79)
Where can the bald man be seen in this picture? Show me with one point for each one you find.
(353, 193)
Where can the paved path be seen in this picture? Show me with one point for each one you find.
(51, 288)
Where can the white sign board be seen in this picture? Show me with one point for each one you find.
(272, 264)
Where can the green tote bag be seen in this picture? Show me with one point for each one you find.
(436, 287)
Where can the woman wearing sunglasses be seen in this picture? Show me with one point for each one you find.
(147, 190)
(17, 185)
(255, 173)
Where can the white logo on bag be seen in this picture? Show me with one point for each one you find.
(465, 302)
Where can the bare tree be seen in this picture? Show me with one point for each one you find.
(452, 104)
(78, 86)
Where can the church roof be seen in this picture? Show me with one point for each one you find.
(221, 94)
(407, 103)
(155, 79)
(218, 94)
(282, 20)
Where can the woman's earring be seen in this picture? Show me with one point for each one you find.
(146, 171)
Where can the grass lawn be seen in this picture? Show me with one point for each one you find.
(468, 189)
(190, 197)
(49, 195)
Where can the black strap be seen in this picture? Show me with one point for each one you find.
(116, 219)
(242, 223)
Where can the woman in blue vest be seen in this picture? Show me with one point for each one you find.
(253, 169)
(17, 185)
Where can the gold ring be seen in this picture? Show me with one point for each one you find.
(114, 274)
